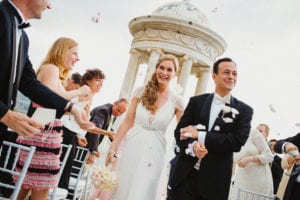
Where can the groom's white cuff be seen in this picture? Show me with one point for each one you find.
(201, 136)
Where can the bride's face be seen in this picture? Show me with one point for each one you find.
(165, 72)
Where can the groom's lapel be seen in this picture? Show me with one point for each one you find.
(205, 111)
(219, 120)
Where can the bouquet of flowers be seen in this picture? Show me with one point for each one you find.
(104, 179)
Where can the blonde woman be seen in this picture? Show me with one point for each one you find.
(253, 172)
(73, 134)
(53, 72)
(143, 154)
(57, 66)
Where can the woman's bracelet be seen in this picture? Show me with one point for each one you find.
(113, 153)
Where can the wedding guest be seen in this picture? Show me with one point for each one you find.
(212, 127)
(291, 146)
(53, 73)
(73, 83)
(72, 133)
(17, 74)
(151, 110)
(103, 117)
(275, 166)
(253, 172)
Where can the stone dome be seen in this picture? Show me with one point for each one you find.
(182, 10)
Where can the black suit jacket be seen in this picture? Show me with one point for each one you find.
(26, 80)
(276, 172)
(216, 167)
(100, 116)
(278, 148)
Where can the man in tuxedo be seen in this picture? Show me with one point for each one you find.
(275, 166)
(16, 73)
(73, 83)
(291, 146)
(212, 127)
(103, 116)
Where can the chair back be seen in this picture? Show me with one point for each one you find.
(77, 183)
(249, 195)
(66, 149)
(10, 154)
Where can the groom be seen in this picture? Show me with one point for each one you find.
(212, 128)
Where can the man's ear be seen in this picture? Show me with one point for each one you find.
(213, 75)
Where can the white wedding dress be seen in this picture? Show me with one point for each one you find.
(143, 152)
(254, 177)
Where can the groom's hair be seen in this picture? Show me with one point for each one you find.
(216, 64)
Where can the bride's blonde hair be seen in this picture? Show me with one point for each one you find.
(150, 93)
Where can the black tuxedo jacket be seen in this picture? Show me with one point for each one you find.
(221, 141)
(26, 80)
(278, 148)
(100, 116)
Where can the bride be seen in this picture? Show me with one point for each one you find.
(151, 110)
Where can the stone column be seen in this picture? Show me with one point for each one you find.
(185, 72)
(154, 57)
(202, 80)
(130, 75)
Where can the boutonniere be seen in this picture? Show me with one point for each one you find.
(227, 109)
(217, 128)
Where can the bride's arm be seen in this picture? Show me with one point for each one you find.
(126, 124)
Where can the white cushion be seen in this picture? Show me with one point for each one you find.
(73, 181)
(60, 193)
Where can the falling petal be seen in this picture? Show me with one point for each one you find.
(215, 9)
(272, 108)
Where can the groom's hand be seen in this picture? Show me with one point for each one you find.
(199, 150)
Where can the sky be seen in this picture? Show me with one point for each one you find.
(262, 36)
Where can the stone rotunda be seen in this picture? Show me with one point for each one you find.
(178, 28)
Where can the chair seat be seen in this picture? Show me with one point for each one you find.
(60, 193)
(73, 181)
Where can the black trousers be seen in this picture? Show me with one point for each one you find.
(69, 137)
(6, 177)
(187, 189)
(295, 193)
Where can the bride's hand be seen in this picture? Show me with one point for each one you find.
(110, 158)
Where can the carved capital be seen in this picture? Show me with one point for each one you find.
(135, 52)
(157, 50)
(187, 57)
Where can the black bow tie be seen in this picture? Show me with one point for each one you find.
(23, 25)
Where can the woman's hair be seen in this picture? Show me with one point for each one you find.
(76, 78)
(150, 92)
(57, 56)
(90, 74)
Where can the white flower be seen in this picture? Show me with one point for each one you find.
(217, 128)
(104, 179)
(234, 111)
(227, 120)
(200, 127)
(188, 134)
(188, 151)
(226, 109)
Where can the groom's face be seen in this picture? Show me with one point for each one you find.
(226, 77)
